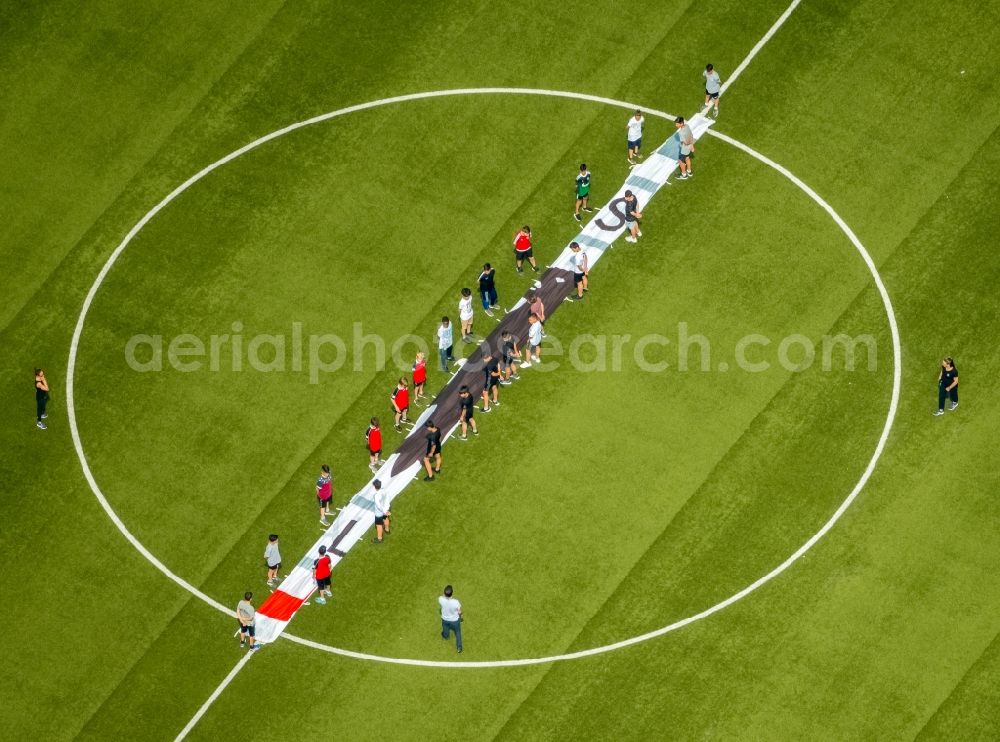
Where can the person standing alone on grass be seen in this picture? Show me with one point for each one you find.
(465, 314)
(582, 192)
(445, 343)
(41, 398)
(400, 399)
(247, 617)
(373, 440)
(419, 377)
(451, 617)
(321, 573)
(635, 126)
(272, 558)
(488, 289)
(324, 493)
(947, 385)
(523, 250)
(579, 271)
(466, 409)
(713, 86)
(382, 514)
(687, 148)
(632, 217)
(433, 451)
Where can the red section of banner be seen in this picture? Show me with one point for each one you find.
(280, 606)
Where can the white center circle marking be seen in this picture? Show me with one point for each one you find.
(869, 469)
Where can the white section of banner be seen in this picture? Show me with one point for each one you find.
(358, 515)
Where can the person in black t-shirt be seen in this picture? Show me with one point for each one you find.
(491, 367)
(466, 407)
(947, 385)
(488, 289)
(433, 450)
(508, 352)
(41, 398)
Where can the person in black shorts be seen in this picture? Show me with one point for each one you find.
(508, 352)
(41, 398)
(491, 367)
(433, 450)
(947, 385)
(466, 408)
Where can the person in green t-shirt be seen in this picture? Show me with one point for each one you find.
(582, 192)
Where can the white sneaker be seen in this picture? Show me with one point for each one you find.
(526, 364)
(630, 238)
(638, 233)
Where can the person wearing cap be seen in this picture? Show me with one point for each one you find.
(632, 217)
(322, 566)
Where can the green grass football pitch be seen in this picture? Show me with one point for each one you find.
(598, 504)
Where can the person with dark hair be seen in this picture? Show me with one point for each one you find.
(451, 616)
(466, 412)
(523, 250)
(491, 367)
(635, 126)
(465, 314)
(373, 441)
(713, 87)
(509, 355)
(687, 148)
(272, 558)
(433, 451)
(382, 514)
(444, 334)
(947, 385)
(632, 217)
(321, 573)
(247, 617)
(582, 192)
(488, 289)
(41, 398)
(324, 493)
(580, 271)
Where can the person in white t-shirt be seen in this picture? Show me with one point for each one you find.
(580, 271)
(533, 351)
(451, 616)
(445, 342)
(465, 314)
(382, 513)
(635, 126)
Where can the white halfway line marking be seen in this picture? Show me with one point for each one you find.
(760, 45)
(215, 694)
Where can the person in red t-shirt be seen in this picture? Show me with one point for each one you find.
(321, 573)
(522, 249)
(419, 377)
(400, 403)
(373, 437)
